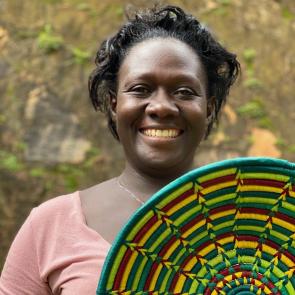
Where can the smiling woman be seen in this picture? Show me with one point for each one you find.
(161, 80)
(161, 108)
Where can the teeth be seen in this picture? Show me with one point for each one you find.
(161, 133)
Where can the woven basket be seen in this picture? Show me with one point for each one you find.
(226, 228)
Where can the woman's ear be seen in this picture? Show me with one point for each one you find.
(210, 109)
(113, 106)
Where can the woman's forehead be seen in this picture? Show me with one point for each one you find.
(162, 55)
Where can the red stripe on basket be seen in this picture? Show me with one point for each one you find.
(149, 278)
(254, 210)
(191, 223)
(120, 272)
(222, 209)
(167, 246)
(217, 180)
(144, 229)
(285, 217)
(178, 199)
(264, 182)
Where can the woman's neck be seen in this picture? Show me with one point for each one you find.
(143, 185)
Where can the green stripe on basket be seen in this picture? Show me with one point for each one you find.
(216, 174)
(138, 225)
(272, 176)
(170, 197)
(138, 273)
(254, 200)
(224, 199)
(115, 266)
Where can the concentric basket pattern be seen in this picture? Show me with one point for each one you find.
(226, 228)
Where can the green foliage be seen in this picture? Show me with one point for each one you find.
(10, 161)
(48, 41)
(249, 55)
(252, 83)
(37, 172)
(287, 13)
(265, 122)
(83, 6)
(71, 175)
(71, 183)
(291, 148)
(281, 143)
(253, 109)
(51, 1)
(119, 11)
(224, 2)
(25, 33)
(80, 56)
(3, 119)
(91, 158)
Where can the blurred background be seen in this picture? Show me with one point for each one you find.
(52, 142)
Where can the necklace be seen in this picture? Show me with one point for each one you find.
(131, 194)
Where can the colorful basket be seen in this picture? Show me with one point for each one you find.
(226, 228)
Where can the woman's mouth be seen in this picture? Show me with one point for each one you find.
(161, 133)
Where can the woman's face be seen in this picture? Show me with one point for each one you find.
(161, 106)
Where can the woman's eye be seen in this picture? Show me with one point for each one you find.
(185, 93)
(142, 90)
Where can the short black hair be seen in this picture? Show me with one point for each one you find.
(221, 66)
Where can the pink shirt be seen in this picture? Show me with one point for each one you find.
(54, 252)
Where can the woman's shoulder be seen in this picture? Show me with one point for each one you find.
(60, 205)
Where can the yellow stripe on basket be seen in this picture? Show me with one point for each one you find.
(194, 228)
(219, 186)
(222, 214)
(190, 264)
(139, 272)
(252, 216)
(179, 285)
(160, 239)
(220, 199)
(127, 270)
(226, 240)
(284, 224)
(163, 287)
(199, 237)
(181, 204)
(139, 225)
(222, 225)
(214, 175)
(115, 266)
(288, 206)
(257, 200)
(179, 191)
(148, 234)
(155, 277)
(207, 250)
(250, 228)
(272, 176)
(183, 217)
(171, 249)
(260, 188)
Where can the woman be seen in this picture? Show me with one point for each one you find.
(161, 80)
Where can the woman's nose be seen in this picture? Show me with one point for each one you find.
(162, 105)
